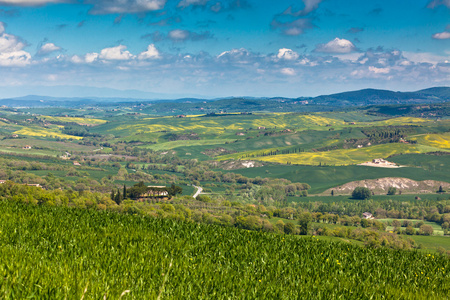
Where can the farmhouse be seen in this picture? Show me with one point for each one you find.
(75, 163)
(26, 147)
(34, 184)
(261, 127)
(2, 181)
(368, 215)
(156, 190)
(240, 133)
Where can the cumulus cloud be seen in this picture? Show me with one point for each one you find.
(2, 27)
(48, 48)
(11, 50)
(434, 3)
(336, 46)
(287, 54)
(151, 53)
(441, 35)
(102, 7)
(115, 53)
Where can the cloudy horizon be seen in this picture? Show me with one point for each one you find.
(220, 48)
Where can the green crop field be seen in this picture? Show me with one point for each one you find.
(57, 253)
(346, 156)
(322, 178)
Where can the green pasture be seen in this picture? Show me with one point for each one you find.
(432, 242)
(437, 229)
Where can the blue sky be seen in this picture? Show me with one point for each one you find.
(216, 48)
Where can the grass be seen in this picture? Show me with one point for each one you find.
(437, 229)
(58, 253)
(432, 242)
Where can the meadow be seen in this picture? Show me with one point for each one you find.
(56, 252)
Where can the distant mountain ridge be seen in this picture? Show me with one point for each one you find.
(375, 97)
(364, 97)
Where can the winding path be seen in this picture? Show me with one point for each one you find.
(199, 190)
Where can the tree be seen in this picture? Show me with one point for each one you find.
(118, 197)
(392, 190)
(361, 193)
(441, 190)
(289, 228)
(173, 190)
(124, 194)
(410, 230)
(426, 230)
(305, 223)
(332, 192)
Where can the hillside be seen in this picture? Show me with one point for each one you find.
(381, 186)
(363, 97)
(58, 253)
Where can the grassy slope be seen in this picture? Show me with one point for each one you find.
(70, 253)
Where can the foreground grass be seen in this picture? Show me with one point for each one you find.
(56, 253)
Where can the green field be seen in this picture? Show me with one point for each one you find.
(54, 252)
(343, 157)
(322, 178)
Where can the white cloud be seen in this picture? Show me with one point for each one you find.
(2, 27)
(151, 53)
(48, 48)
(379, 70)
(287, 54)
(15, 58)
(29, 2)
(91, 57)
(178, 34)
(124, 6)
(10, 43)
(288, 71)
(293, 28)
(11, 51)
(310, 5)
(336, 46)
(425, 57)
(441, 35)
(115, 53)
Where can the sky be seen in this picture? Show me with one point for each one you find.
(218, 48)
